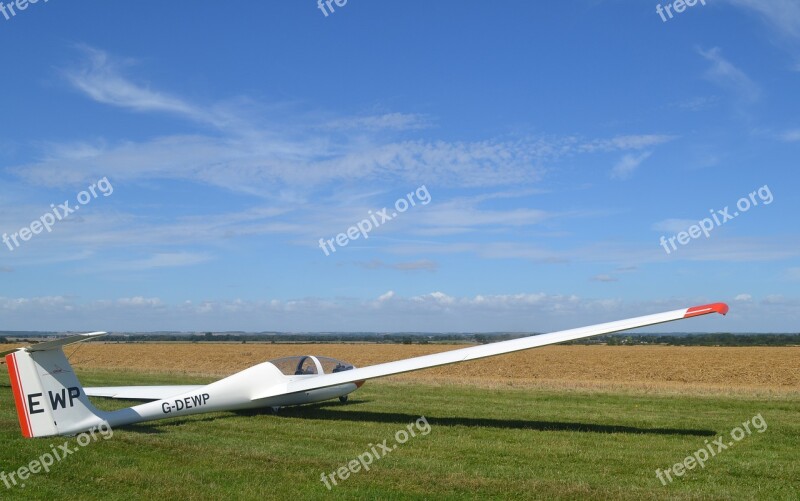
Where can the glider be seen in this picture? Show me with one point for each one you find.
(50, 400)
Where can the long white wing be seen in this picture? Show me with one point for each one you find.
(488, 350)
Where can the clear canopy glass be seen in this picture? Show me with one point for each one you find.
(309, 364)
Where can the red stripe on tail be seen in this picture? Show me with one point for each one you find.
(19, 399)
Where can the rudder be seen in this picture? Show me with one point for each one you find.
(49, 398)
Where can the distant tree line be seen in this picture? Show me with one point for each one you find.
(722, 339)
(287, 338)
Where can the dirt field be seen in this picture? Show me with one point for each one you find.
(649, 369)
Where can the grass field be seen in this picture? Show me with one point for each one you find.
(484, 442)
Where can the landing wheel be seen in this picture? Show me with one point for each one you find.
(343, 399)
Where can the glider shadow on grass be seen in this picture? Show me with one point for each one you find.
(327, 411)
(332, 412)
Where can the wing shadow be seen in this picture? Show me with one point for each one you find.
(325, 412)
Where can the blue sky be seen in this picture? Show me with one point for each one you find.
(558, 141)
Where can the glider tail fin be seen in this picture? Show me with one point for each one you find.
(47, 394)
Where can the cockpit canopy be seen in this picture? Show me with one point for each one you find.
(309, 364)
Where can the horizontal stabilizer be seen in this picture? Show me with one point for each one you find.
(140, 392)
(55, 344)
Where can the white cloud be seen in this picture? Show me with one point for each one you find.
(782, 18)
(718, 248)
(100, 79)
(433, 312)
(673, 226)
(140, 301)
(260, 163)
(623, 143)
(698, 103)
(391, 121)
(782, 15)
(264, 154)
(44, 303)
(743, 297)
(791, 136)
(438, 311)
(420, 265)
(466, 215)
(604, 278)
(628, 164)
(775, 299)
(726, 75)
(167, 260)
(290, 168)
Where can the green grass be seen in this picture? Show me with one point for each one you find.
(499, 443)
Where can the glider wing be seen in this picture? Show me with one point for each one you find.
(483, 351)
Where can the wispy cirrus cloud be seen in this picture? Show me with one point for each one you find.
(99, 77)
(791, 136)
(673, 225)
(167, 260)
(698, 103)
(717, 249)
(263, 154)
(419, 265)
(299, 175)
(782, 15)
(723, 73)
(388, 121)
(626, 142)
(782, 18)
(626, 166)
(258, 162)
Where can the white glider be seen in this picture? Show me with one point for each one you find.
(50, 400)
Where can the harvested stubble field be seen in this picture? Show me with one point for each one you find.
(650, 369)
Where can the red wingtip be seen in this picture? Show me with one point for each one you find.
(720, 308)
